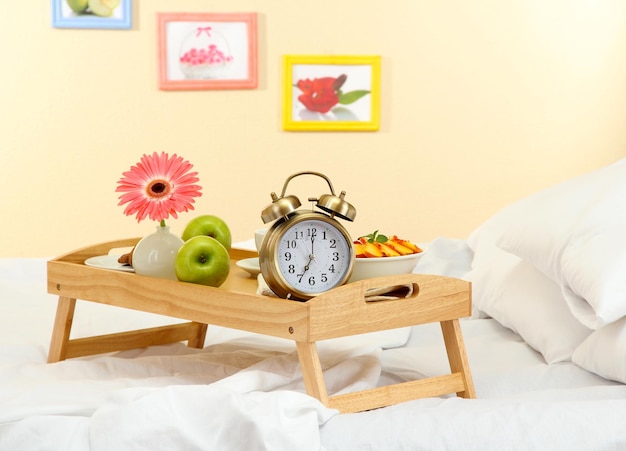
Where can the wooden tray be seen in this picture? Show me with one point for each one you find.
(340, 312)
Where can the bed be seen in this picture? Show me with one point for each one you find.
(546, 343)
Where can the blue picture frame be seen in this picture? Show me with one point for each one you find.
(64, 17)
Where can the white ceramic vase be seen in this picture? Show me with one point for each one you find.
(154, 255)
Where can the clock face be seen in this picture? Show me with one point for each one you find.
(312, 256)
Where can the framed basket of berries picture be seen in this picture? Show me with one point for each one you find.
(113, 14)
(331, 93)
(207, 51)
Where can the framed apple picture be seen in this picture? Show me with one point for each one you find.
(112, 14)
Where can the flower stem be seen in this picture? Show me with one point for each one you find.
(162, 223)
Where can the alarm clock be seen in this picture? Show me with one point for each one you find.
(306, 252)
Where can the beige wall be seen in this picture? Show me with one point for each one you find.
(483, 102)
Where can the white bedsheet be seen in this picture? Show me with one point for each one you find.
(244, 391)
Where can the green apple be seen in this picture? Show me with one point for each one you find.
(78, 6)
(100, 8)
(202, 260)
(209, 225)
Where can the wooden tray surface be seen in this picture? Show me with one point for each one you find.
(340, 312)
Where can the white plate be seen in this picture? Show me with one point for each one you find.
(250, 265)
(108, 262)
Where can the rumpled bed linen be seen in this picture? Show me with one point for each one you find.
(245, 391)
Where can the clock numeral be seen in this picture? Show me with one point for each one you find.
(335, 256)
(311, 232)
(324, 278)
(333, 244)
(331, 268)
(291, 244)
(292, 269)
(287, 256)
(311, 280)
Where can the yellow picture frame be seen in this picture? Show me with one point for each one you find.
(331, 93)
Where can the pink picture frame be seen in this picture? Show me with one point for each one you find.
(200, 51)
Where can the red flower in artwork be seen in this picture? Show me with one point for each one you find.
(319, 94)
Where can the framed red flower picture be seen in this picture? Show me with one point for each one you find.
(331, 93)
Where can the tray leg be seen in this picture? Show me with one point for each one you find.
(61, 347)
(312, 371)
(457, 357)
(134, 339)
(198, 340)
(61, 329)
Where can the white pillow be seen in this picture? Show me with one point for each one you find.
(604, 352)
(482, 242)
(575, 233)
(521, 298)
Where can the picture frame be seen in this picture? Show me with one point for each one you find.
(119, 17)
(199, 51)
(331, 93)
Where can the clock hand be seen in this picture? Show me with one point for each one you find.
(312, 254)
(311, 258)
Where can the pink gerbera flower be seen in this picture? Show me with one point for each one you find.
(158, 186)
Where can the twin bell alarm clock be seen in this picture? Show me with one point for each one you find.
(306, 252)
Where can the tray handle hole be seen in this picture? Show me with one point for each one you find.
(392, 293)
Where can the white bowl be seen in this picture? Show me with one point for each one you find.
(366, 268)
